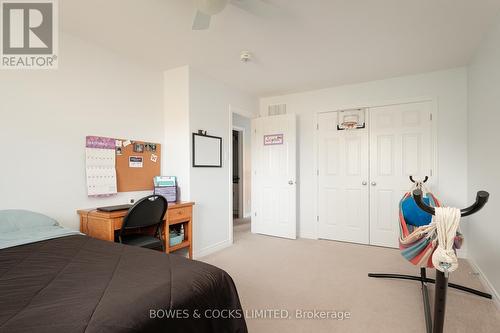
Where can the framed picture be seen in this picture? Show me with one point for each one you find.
(207, 151)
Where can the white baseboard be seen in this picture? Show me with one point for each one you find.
(486, 283)
(307, 235)
(211, 249)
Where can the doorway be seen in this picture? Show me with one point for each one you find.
(240, 175)
(237, 173)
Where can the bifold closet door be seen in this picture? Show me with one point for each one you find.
(343, 178)
(400, 146)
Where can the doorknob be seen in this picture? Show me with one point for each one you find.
(290, 182)
(364, 182)
(374, 183)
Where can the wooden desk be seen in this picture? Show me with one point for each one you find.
(102, 225)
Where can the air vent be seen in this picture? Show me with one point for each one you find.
(276, 109)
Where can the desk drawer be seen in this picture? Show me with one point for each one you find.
(178, 214)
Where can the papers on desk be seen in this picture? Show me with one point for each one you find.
(100, 166)
(162, 181)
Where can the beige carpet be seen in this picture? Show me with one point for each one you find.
(275, 273)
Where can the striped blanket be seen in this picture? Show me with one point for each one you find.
(417, 244)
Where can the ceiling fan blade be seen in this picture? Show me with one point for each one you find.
(201, 21)
(260, 8)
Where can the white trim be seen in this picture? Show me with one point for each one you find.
(232, 109)
(213, 248)
(485, 282)
(242, 112)
(229, 177)
(316, 178)
(434, 143)
(375, 104)
(254, 227)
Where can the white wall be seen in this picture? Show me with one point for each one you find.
(484, 157)
(46, 114)
(245, 123)
(448, 88)
(176, 148)
(195, 102)
(210, 106)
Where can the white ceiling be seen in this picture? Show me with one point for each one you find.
(298, 44)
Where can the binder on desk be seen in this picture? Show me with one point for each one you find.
(166, 186)
(162, 181)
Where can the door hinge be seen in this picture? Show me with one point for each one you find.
(430, 116)
(317, 126)
(317, 218)
(255, 214)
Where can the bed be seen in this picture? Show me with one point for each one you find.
(67, 282)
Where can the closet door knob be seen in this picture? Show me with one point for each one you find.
(374, 183)
(364, 182)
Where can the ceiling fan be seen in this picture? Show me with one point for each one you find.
(205, 9)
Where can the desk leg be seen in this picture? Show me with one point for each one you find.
(189, 227)
(166, 236)
(83, 224)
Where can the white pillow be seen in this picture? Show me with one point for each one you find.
(18, 219)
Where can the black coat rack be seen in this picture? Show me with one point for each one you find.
(441, 281)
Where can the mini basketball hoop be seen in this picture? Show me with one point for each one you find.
(349, 124)
(350, 120)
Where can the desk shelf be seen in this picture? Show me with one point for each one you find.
(182, 245)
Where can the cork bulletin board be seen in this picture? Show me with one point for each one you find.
(135, 164)
(132, 173)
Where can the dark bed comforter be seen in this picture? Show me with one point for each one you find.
(80, 284)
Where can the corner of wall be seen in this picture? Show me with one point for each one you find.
(176, 100)
(212, 249)
(486, 282)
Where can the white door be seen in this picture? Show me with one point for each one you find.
(343, 178)
(400, 146)
(274, 176)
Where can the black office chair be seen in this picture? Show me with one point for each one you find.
(147, 212)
